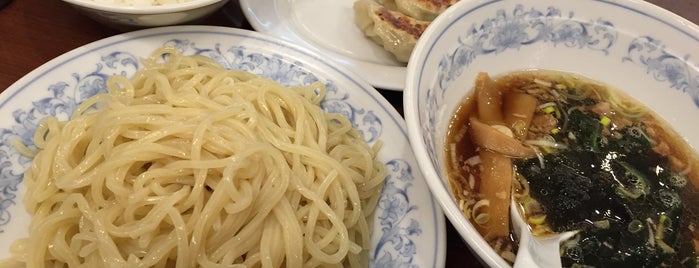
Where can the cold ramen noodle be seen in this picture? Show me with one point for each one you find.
(191, 165)
(575, 155)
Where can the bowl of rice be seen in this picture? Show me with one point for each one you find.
(132, 14)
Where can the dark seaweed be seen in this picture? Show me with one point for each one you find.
(618, 181)
(587, 129)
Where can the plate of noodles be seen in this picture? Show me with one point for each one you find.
(199, 146)
(328, 27)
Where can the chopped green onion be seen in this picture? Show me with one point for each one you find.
(542, 82)
(479, 216)
(537, 219)
(549, 109)
(482, 218)
(665, 247)
(519, 127)
(630, 193)
(659, 235)
(605, 120)
(602, 224)
(635, 226)
(677, 180)
(555, 130)
(664, 219)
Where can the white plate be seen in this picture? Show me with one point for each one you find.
(327, 26)
(409, 228)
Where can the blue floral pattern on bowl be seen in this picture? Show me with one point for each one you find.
(663, 66)
(520, 27)
(395, 248)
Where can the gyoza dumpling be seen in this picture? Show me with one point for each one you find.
(425, 10)
(395, 31)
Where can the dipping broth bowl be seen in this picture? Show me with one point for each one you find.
(647, 52)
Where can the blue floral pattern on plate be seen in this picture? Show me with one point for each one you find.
(395, 206)
(395, 248)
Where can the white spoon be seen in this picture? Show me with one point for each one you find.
(534, 251)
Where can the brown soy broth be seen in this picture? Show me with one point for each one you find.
(463, 148)
(587, 94)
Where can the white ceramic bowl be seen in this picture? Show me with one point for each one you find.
(634, 46)
(129, 17)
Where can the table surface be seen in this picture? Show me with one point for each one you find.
(33, 32)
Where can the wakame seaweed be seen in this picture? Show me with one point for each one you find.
(617, 191)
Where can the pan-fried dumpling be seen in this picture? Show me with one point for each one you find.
(395, 31)
(425, 10)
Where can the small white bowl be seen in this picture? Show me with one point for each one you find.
(631, 45)
(130, 17)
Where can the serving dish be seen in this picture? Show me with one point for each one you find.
(327, 27)
(634, 46)
(409, 226)
(125, 17)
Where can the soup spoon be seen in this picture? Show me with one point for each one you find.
(536, 251)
